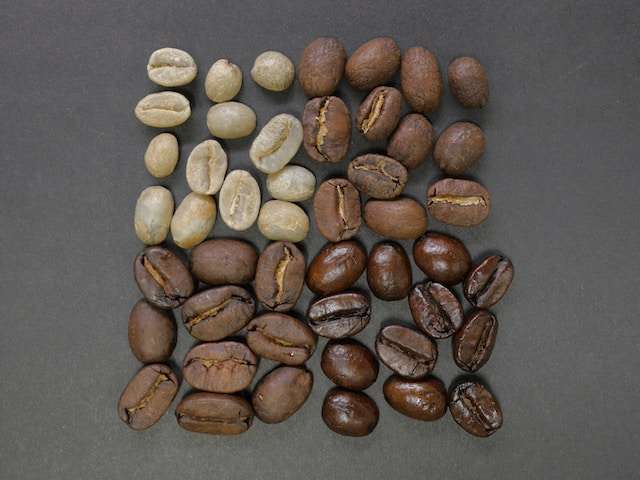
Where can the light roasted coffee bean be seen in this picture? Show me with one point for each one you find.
(489, 281)
(458, 202)
(389, 271)
(400, 219)
(336, 206)
(412, 141)
(231, 120)
(279, 220)
(326, 123)
(442, 258)
(281, 338)
(459, 148)
(277, 143)
(193, 220)
(223, 81)
(475, 409)
(163, 109)
(340, 315)
(468, 82)
(374, 63)
(336, 267)
(281, 393)
(206, 167)
(349, 364)
(273, 71)
(280, 276)
(424, 400)
(214, 413)
(322, 66)
(224, 261)
(474, 342)
(152, 333)
(407, 352)
(171, 67)
(152, 217)
(435, 309)
(239, 200)
(293, 184)
(379, 113)
(377, 176)
(354, 414)
(162, 154)
(421, 80)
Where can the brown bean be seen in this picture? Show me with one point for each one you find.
(389, 271)
(373, 63)
(402, 218)
(412, 141)
(421, 80)
(321, 66)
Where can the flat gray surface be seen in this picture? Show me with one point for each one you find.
(563, 129)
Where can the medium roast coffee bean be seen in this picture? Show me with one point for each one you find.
(354, 414)
(336, 206)
(279, 220)
(475, 409)
(193, 220)
(489, 281)
(336, 267)
(389, 271)
(420, 399)
(218, 312)
(468, 82)
(400, 219)
(421, 80)
(152, 333)
(293, 184)
(222, 367)
(349, 364)
(459, 147)
(326, 123)
(473, 343)
(277, 143)
(163, 109)
(379, 113)
(281, 393)
(239, 200)
(281, 338)
(152, 217)
(214, 413)
(321, 66)
(273, 71)
(206, 167)
(171, 67)
(223, 81)
(412, 141)
(147, 396)
(231, 120)
(377, 176)
(373, 63)
(435, 309)
(280, 276)
(222, 262)
(340, 315)
(162, 154)
(442, 258)
(162, 277)
(407, 352)
(458, 202)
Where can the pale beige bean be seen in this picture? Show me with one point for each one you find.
(206, 167)
(239, 200)
(293, 183)
(193, 220)
(280, 220)
(162, 154)
(223, 81)
(152, 217)
(163, 109)
(273, 71)
(171, 67)
(231, 120)
(277, 143)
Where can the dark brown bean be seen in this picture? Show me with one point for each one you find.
(340, 315)
(373, 63)
(349, 364)
(474, 342)
(407, 352)
(377, 176)
(224, 262)
(336, 267)
(349, 413)
(468, 82)
(152, 333)
(459, 147)
(280, 276)
(442, 258)
(336, 207)
(435, 309)
(281, 338)
(379, 113)
(326, 124)
(321, 66)
(412, 141)
(421, 80)
(401, 219)
(475, 409)
(458, 202)
(214, 413)
(281, 393)
(489, 281)
(424, 400)
(389, 271)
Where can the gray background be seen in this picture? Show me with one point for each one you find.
(562, 128)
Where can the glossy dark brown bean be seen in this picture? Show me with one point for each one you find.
(474, 342)
(373, 63)
(281, 338)
(336, 267)
(326, 125)
(458, 202)
(152, 333)
(468, 82)
(224, 262)
(459, 148)
(214, 413)
(280, 276)
(349, 413)
(389, 271)
(281, 393)
(424, 400)
(401, 219)
(407, 352)
(340, 315)
(412, 141)
(421, 79)
(435, 309)
(442, 258)
(336, 206)
(322, 66)
(489, 281)
(377, 176)
(349, 364)
(475, 409)
(379, 113)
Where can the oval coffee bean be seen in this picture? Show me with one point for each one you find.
(421, 80)
(459, 147)
(354, 414)
(222, 262)
(292, 184)
(281, 338)
(279, 220)
(273, 71)
(424, 400)
(277, 143)
(152, 333)
(389, 271)
(171, 67)
(214, 413)
(193, 220)
(489, 281)
(377, 176)
(206, 167)
(349, 364)
(281, 393)
(468, 82)
(458, 202)
(280, 276)
(442, 258)
(412, 141)
(336, 267)
(474, 342)
(231, 120)
(217, 313)
(163, 109)
(407, 352)
(400, 219)
(326, 124)
(147, 396)
(373, 63)
(475, 409)
(435, 309)
(223, 81)
(321, 66)
(336, 206)
(221, 367)
(152, 217)
(239, 200)
(379, 113)
(340, 315)
(161, 156)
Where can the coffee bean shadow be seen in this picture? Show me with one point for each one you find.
(177, 369)
(278, 98)
(404, 323)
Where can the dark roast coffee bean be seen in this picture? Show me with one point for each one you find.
(402, 218)
(459, 147)
(218, 312)
(354, 414)
(340, 315)
(473, 343)
(326, 124)
(214, 413)
(281, 393)
(389, 271)
(412, 141)
(468, 82)
(442, 258)
(152, 333)
(349, 364)
(488, 282)
(224, 262)
(280, 276)
(321, 66)
(421, 80)
(420, 399)
(373, 63)
(222, 367)
(407, 352)
(475, 409)
(377, 176)
(458, 202)
(379, 113)
(336, 206)
(281, 338)
(435, 309)
(336, 267)
(162, 277)
(147, 396)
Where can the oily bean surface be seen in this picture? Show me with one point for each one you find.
(389, 271)
(280, 276)
(214, 413)
(326, 124)
(281, 338)
(401, 219)
(206, 167)
(474, 342)
(340, 315)
(468, 82)
(475, 409)
(336, 205)
(421, 80)
(489, 281)
(424, 399)
(239, 200)
(412, 141)
(163, 109)
(379, 113)
(322, 66)
(407, 352)
(336, 267)
(171, 67)
(281, 393)
(349, 364)
(435, 309)
(458, 202)
(442, 258)
(224, 261)
(152, 333)
(152, 217)
(378, 176)
(374, 63)
(459, 148)
(353, 414)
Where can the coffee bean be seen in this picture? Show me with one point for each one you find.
(222, 262)
(442, 258)
(206, 167)
(421, 80)
(277, 143)
(424, 400)
(412, 141)
(458, 202)
(349, 364)
(354, 414)
(459, 147)
(475, 409)
(321, 66)
(293, 184)
(281, 338)
(468, 82)
(223, 81)
(214, 413)
(280, 276)
(489, 281)
(377, 176)
(389, 271)
(435, 309)
(231, 120)
(217, 313)
(373, 63)
(379, 113)
(239, 200)
(171, 67)
(473, 343)
(163, 109)
(147, 396)
(281, 393)
(326, 123)
(336, 267)
(161, 155)
(162, 277)
(152, 218)
(279, 220)
(400, 219)
(193, 220)
(273, 71)
(222, 367)
(407, 352)
(340, 315)
(152, 333)
(336, 206)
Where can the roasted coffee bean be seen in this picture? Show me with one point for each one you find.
(442, 258)
(206, 167)
(163, 109)
(421, 80)
(193, 220)
(336, 206)
(280, 276)
(222, 367)
(147, 396)
(379, 113)
(280, 220)
(340, 315)
(218, 312)
(223, 262)
(412, 141)
(326, 123)
(473, 343)
(273, 71)
(321, 66)
(214, 413)
(239, 200)
(336, 267)
(231, 120)
(281, 393)
(407, 352)
(400, 219)
(377, 176)
(468, 82)
(373, 63)
(489, 281)
(161, 155)
(223, 81)
(389, 271)
(458, 202)
(277, 143)
(459, 147)
(475, 409)
(281, 338)
(435, 309)
(152, 333)
(162, 277)
(293, 184)
(152, 217)
(354, 414)
(349, 364)
(420, 399)
(171, 67)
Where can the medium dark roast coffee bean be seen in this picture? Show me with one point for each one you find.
(354, 414)
(475, 409)
(336, 206)
(147, 396)
(162, 277)
(389, 271)
(442, 258)
(336, 267)
(214, 413)
(340, 315)
(473, 343)
(281, 393)
(281, 338)
(407, 352)
(435, 309)
(152, 333)
(459, 147)
(489, 281)
(321, 66)
(421, 80)
(326, 124)
(349, 364)
(424, 400)
(280, 276)
(458, 202)
(468, 82)
(224, 262)
(412, 141)
(373, 63)
(377, 176)
(400, 219)
(379, 113)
